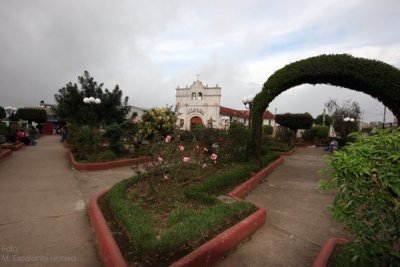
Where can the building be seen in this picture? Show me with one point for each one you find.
(200, 104)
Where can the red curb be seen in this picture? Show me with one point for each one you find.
(208, 253)
(327, 249)
(4, 153)
(106, 165)
(242, 190)
(109, 250)
(214, 249)
(14, 147)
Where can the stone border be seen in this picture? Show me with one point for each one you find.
(106, 165)
(4, 153)
(206, 254)
(327, 249)
(13, 147)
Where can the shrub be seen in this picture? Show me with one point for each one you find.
(238, 136)
(81, 146)
(283, 135)
(106, 155)
(113, 133)
(268, 130)
(316, 133)
(366, 175)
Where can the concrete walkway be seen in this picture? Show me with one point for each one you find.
(43, 216)
(298, 222)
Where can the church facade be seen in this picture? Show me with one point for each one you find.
(200, 104)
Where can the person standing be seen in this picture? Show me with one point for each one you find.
(32, 135)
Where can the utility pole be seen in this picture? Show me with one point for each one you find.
(384, 117)
(323, 118)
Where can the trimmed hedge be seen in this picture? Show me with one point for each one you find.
(375, 78)
(366, 176)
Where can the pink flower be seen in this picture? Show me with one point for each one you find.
(204, 165)
(181, 148)
(166, 177)
(205, 149)
(186, 159)
(197, 147)
(213, 156)
(160, 159)
(168, 138)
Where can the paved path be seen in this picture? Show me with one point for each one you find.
(298, 222)
(43, 216)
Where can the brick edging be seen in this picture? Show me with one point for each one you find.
(327, 249)
(106, 165)
(206, 254)
(13, 147)
(4, 153)
(108, 248)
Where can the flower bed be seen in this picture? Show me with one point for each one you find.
(203, 255)
(13, 147)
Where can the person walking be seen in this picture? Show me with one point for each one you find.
(32, 135)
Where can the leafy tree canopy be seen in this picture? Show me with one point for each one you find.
(319, 120)
(295, 121)
(340, 111)
(157, 122)
(2, 113)
(112, 108)
(31, 114)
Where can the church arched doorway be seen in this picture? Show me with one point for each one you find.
(195, 121)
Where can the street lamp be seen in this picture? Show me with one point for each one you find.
(248, 100)
(91, 101)
(347, 119)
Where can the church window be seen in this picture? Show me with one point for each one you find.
(200, 96)
(193, 96)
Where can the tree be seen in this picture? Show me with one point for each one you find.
(157, 122)
(2, 113)
(31, 114)
(320, 120)
(295, 122)
(71, 107)
(339, 112)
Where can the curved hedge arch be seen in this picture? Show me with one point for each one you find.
(375, 78)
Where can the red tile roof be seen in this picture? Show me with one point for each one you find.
(243, 113)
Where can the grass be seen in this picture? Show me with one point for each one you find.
(190, 215)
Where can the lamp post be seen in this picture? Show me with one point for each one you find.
(248, 100)
(91, 101)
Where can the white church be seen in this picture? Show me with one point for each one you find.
(199, 104)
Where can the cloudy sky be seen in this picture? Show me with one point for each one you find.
(150, 47)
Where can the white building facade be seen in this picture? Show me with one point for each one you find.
(198, 104)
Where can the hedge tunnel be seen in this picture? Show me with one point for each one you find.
(375, 78)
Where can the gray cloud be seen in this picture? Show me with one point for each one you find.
(150, 47)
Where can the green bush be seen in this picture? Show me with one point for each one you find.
(283, 135)
(268, 130)
(238, 136)
(81, 146)
(106, 155)
(113, 133)
(366, 176)
(316, 133)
